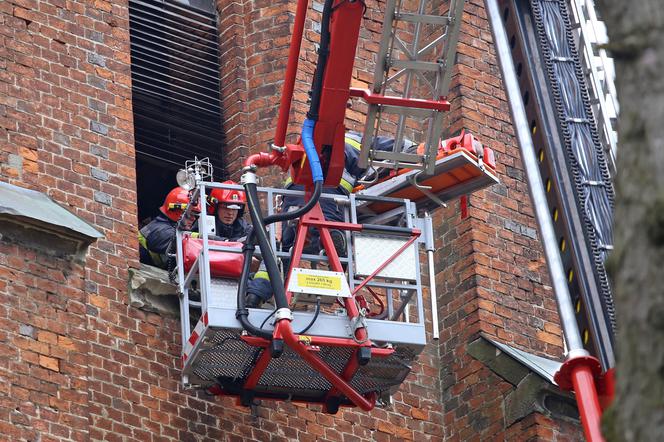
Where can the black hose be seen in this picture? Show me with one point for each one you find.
(267, 318)
(313, 320)
(242, 313)
(323, 53)
(285, 216)
(259, 231)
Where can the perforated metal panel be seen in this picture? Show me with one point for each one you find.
(289, 371)
(223, 293)
(380, 374)
(371, 251)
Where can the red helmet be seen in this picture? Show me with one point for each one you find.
(175, 203)
(234, 199)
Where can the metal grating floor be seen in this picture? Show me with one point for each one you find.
(227, 356)
(380, 374)
(226, 359)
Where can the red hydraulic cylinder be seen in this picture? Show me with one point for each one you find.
(291, 72)
(345, 23)
(588, 402)
(580, 374)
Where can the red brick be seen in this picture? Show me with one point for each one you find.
(117, 377)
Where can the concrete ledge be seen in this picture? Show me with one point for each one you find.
(34, 220)
(532, 378)
(534, 394)
(151, 290)
(41, 238)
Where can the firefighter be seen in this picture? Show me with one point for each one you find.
(259, 289)
(155, 238)
(228, 207)
(351, 174)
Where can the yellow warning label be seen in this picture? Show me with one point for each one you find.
(319, 282)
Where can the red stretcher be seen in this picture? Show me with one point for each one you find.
(463, 166)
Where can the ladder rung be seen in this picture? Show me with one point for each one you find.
(407, 111)
(397, 156)
(422, 18)
(416, 65)
(440, 105)
(402, 165)
(413, 62)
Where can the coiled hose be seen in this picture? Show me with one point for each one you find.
(242, 314)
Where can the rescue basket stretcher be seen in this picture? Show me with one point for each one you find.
(462, 167)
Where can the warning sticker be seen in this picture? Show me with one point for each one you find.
(319, 281)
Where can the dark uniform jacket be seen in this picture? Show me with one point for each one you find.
(154, 240)
(233, 232)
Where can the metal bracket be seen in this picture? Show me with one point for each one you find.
(413, 180)
(374, 175)
(425, 190)
(357, 323)
(280, 149)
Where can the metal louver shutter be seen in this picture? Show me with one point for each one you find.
(175, 82)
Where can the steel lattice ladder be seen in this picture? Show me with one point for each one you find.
(414, 65)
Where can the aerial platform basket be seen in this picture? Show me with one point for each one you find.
(327, 363)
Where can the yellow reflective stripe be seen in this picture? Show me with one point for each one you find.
(156, 257)
(343, 183)
(262, 274)
(356, 144)
(142, 241)
(346, 185)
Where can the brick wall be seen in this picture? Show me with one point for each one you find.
(43, 339)
(254, 41)
(84, 365)
(492, 270)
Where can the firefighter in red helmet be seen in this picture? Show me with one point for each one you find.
(228, 207)
(155, 237)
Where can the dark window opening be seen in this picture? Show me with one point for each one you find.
(176, 93)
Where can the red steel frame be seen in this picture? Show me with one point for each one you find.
(305, 346)
(291, 72)
(578, 374)
(329, 132)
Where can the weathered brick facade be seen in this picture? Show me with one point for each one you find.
(82, 364)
